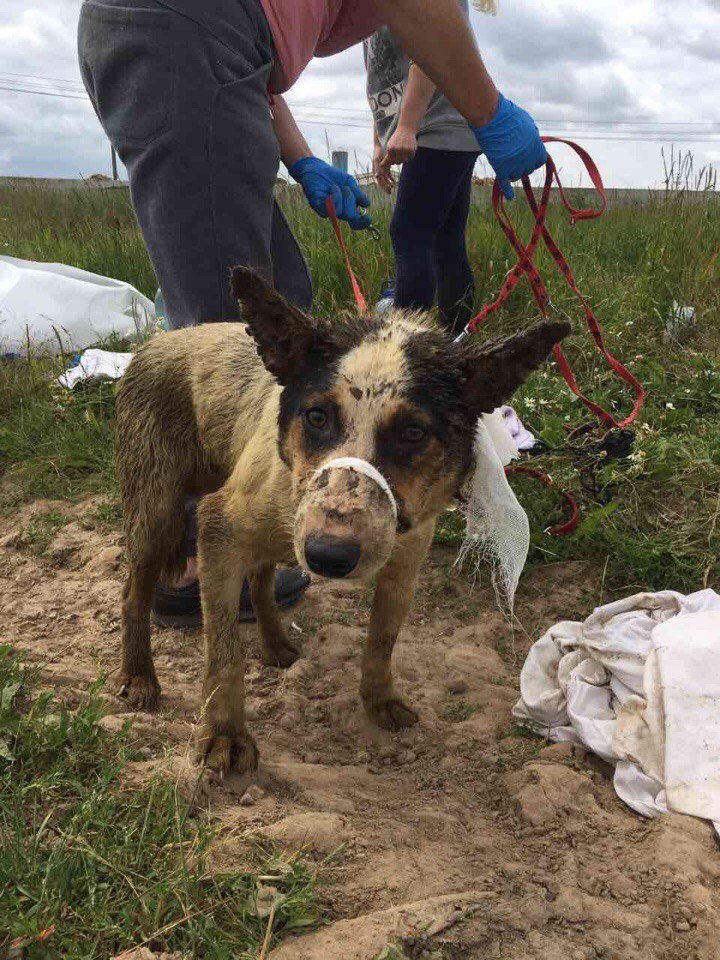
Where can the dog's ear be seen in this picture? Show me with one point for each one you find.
(493, 371)
(285, 336)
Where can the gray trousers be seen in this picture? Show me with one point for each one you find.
(187, 109)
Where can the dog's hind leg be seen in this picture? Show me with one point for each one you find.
(392, 600)
(152, 488)
(154, 537)
(138, 682)
(223, 545)
(277, 649)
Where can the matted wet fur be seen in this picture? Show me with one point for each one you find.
(244, 417)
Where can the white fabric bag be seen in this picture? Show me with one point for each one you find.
(46, 304)
(638, 683)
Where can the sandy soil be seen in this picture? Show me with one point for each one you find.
(461, 836)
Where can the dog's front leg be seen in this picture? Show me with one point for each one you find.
(393, 596)
(277, 649)
(223, 741)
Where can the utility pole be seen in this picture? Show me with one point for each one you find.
(113, 157)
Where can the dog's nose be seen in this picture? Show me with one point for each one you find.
(332, 556)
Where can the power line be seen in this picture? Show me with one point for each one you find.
(650, 136)
(347, 111)
(31, 85)
(35, 76)
(666, 133)
(45, 93)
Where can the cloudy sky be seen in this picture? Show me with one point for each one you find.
(648, 69)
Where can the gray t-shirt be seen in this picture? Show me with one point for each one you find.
(442, 127)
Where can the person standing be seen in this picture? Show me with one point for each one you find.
(189, 92)
(416, 126)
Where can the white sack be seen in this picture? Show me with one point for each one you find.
(41, 301)
(638, 683)
(674, 733)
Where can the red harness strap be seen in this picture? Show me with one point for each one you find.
(357, 291)
(525, 265)
(567, 526)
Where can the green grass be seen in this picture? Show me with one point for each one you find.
(42, 528)
(53, 443)
(650, 521)
(455, 709)
(90, 866)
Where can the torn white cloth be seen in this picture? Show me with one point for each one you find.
(47, 305)
(96, 365)
(497, 528)
(638, 683)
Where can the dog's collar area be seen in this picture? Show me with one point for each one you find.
(358, 465)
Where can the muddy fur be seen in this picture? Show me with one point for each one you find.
(244, 416)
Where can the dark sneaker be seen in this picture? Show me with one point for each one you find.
(180, 606)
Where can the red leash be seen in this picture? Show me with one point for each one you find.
(525, 265)
(357, 291)
(567, 526)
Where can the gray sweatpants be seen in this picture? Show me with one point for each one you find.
(187, 109)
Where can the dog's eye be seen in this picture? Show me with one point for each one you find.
(413, 434)
(316, 417)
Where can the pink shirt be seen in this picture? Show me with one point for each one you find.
(303, 29)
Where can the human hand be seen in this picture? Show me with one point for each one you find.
(319, 181)
(511, 142)
(383, 175)
(401, 146)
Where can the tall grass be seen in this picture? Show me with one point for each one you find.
(651, 520)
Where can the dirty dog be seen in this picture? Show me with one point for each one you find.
(336, 444)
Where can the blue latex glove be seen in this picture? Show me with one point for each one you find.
(511, 142)
(319, 181)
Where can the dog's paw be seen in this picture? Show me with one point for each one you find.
(391, 713)
(141, 692)
(221, 753)
(282, 654)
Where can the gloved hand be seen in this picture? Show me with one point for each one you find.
(511, 142)
(319, 181)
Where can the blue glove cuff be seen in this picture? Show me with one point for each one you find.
(511, 143)
(496, 120)
(305, 165)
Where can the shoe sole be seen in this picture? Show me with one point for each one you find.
(193, 621)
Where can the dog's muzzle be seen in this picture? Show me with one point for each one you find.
(346, 525)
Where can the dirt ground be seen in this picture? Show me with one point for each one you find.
(461, 838)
